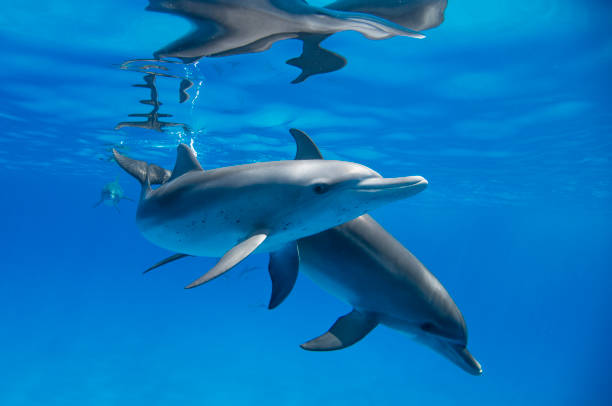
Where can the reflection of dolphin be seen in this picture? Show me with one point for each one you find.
(111, 195)
(365, 266)
(152, 121)
(264, 206)
(416, 15)
(230, 27)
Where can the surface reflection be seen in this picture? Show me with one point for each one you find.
(231, 27)
(153, 68)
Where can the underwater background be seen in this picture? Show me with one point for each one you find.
(505, 108)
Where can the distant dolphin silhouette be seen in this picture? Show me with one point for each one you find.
(112, 194)
(230, 27)
(365, 266)
(233, 211)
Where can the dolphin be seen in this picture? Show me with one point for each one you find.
(231, 212)
(362, 264)
(231, 27)
(112, 194)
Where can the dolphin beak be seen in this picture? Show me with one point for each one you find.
(410, 184)
(466, 360)
(457, 353)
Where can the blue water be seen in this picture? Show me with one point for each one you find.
(504, 108)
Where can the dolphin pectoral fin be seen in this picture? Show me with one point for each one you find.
(166, 261)
(346, 331)
(231, 258)
(98, 203)
(283, 269)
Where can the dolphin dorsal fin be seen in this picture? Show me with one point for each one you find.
(186, 161)
(306, 148)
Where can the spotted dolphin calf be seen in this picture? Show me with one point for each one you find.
(234, 211)
(112, 194)
(365, 266)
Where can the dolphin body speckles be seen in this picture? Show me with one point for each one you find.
(234, 211)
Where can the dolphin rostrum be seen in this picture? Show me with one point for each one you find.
(365, 266)
(233, 211)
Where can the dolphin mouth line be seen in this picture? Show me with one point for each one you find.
(380, 184)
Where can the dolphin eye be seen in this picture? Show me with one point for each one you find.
(320, 188)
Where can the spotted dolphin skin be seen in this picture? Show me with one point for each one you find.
(231, 27)
(365, 266)
(233, 211)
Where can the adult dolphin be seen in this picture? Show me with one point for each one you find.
(234, 211)
(361, 263)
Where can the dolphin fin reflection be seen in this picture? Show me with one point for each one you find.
(232, 27)
(152, 121)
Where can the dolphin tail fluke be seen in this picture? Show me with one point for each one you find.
(138, 169)
(231, 258)
(346, 331)
(283, 269)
